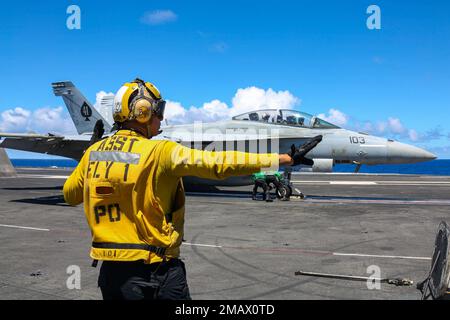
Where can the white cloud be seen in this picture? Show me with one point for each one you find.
(214, 110)
(211, 111)
(381, 127)
(368, 127)
(104, 104)
(43, 120)
(158, 17)
(51, 120)
(244, 100)
(14, 119)
(390, 128)
(253, 98)
(413, 135)
(335, 116)
(174, 112)
(395, 126)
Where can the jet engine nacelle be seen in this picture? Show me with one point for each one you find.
(323, 165)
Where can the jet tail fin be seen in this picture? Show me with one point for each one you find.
(83, 114)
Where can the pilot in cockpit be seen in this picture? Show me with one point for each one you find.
(253, 116)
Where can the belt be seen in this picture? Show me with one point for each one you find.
(160, 251)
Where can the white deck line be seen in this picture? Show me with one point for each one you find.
(385, 183)
(20, 227)
(201, 245)
(379, 256)
(333, 253)
(365, 183)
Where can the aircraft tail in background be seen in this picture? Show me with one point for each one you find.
(83, 114)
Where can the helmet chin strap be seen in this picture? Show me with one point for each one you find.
(149, 130)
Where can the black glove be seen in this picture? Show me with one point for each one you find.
(99, 130)
(298, 155)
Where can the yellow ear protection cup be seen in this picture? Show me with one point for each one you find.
(141, 111)
(141, 105)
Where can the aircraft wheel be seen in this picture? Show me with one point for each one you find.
(284, 192)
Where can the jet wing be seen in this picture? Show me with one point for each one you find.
(64, 146)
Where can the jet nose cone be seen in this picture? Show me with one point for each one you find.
(404, 153)
(429, 156)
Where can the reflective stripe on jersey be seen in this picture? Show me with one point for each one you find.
(115, 156)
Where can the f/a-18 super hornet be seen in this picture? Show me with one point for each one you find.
(270, 130)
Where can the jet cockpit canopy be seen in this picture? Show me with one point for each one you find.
(286, 117)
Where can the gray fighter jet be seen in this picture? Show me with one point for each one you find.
(271, 130)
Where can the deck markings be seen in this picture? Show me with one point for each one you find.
(384, 183)
(379, 256)
(20, 227)
(330, 199)
(312, 199)
(314, 252)
(200, 245)
(359, 183)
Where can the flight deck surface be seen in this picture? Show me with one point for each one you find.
(236, 248)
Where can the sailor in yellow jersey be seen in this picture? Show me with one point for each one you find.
(133, 196)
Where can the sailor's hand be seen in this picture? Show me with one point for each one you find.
(298, 154)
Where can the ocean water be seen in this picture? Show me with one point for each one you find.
(435, 167)
(44, 163)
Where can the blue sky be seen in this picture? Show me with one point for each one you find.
(391, 82)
